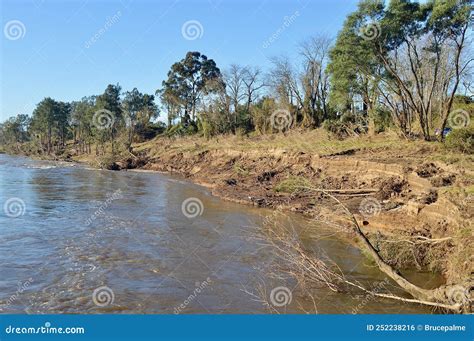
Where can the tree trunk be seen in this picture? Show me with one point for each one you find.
(441, 296)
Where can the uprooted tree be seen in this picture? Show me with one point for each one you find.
(304, 266)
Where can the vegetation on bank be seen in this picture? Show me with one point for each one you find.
(403, 65)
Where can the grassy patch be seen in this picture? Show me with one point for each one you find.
(292, 184)
(238, 169)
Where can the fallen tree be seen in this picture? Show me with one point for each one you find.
(304, 266)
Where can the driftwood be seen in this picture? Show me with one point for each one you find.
(419, 240)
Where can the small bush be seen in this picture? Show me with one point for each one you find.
(240, 170)
(180, 130)
(106, 161)
(461, 140)
(336, 127)
(348, 117)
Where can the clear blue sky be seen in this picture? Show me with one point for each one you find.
(137, 41)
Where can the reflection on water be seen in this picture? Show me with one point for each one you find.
(86, 229)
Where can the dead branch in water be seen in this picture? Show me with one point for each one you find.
(298, 263)
(451, 297)
(307, 269)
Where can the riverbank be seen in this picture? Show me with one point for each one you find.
(127, 231)
(413, 198)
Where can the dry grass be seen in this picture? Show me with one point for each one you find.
(314, 142)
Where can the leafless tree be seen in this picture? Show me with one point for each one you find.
(315, 80)
(284, 81)
(253, 83)
(234, 80)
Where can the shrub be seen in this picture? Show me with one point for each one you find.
(348, 117)
(332, 126)
(337, 128)
(180, 130)
(461, 140)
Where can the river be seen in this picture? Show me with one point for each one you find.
(79, 240)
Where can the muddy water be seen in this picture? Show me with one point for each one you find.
(67, 232)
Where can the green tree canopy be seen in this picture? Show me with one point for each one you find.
(190, 79)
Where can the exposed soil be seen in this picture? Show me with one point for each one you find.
(398, 200)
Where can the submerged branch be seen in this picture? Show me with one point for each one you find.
(439, 297)
(305, 266)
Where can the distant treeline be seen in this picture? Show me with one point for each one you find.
(404, 65)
